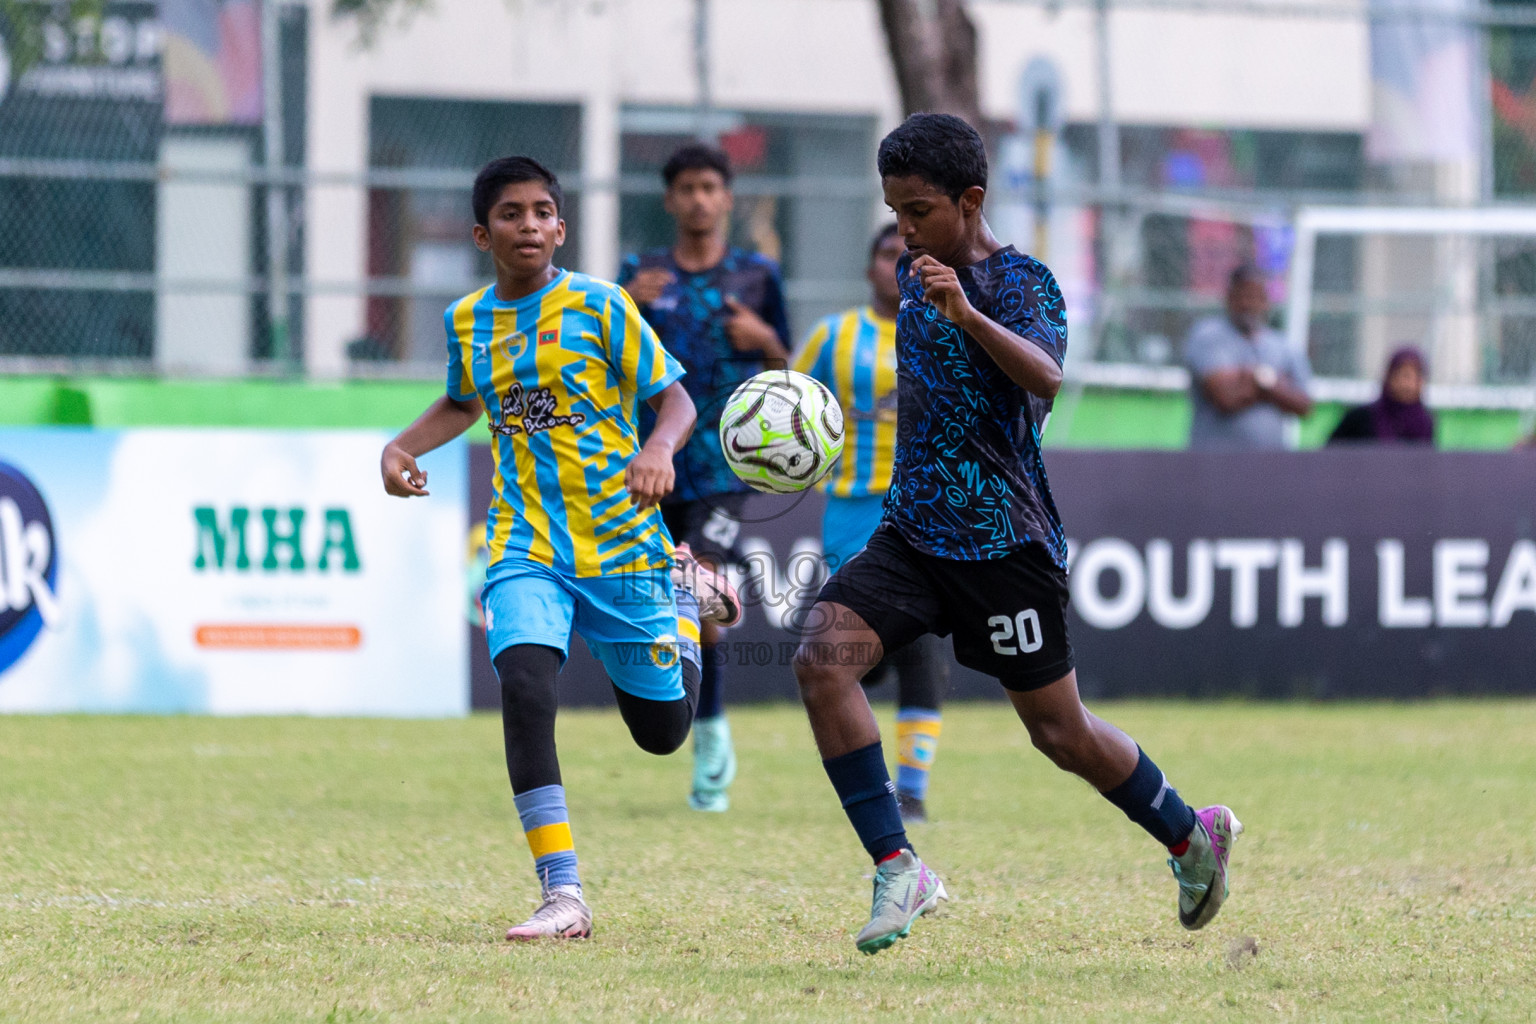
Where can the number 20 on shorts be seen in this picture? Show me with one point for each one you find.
(1030, 638)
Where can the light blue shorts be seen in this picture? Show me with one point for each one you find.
(629, 621)
(847, 525)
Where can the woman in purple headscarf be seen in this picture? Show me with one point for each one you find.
(1399, 414)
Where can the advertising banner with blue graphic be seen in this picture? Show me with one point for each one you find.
(227, 572)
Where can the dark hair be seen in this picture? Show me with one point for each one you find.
(1242, 274)
(939, 148)
(879, 239)
(510, 170)
(696, 157)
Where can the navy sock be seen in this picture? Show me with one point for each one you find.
(869, 800)
(711, 701)
(1149, 801)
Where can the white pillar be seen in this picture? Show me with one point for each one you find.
(203, 235)
(1455, 355)
(336, 216)
(600, 150)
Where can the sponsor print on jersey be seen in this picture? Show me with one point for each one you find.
(534, 410)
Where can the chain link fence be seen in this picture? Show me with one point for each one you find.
(131, 241)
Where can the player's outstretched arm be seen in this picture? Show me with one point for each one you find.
(649, 475)
(444, 420)
(1026, 364)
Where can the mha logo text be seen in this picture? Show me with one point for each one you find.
(222, 540)
(29, 566)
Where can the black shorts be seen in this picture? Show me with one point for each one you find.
(711, 527)
(1008, 615)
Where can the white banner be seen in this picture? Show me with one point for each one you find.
(227, 572)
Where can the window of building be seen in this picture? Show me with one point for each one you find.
(1184, 261)
(420, 255)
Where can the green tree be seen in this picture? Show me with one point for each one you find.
(21, 27)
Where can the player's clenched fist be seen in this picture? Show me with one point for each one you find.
(747, 331)
(941, 287)
(646, 286)
(402, 478)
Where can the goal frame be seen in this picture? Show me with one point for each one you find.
(1311, 221)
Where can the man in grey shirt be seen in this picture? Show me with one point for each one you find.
(1244, 379)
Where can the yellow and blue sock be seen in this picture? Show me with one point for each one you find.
(688, 626)
(547, 827)
(917, 741)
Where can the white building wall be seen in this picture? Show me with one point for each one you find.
(824, 56)
(1170, 68)
(783, 55)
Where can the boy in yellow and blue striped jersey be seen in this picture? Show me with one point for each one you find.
(559, 362)
(854, 354)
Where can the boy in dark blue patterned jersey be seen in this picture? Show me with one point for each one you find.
(720, 311)
(971, 543)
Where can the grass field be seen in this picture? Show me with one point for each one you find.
(293, 870)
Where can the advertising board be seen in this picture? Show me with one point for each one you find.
(227, 572)
(1375, 572)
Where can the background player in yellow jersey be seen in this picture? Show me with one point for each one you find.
(559, 362)
(854, 354)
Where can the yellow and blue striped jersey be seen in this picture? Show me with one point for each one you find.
(561, 373)
(854, 354)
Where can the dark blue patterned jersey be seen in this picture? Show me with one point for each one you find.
(690, 317)
(969, 481)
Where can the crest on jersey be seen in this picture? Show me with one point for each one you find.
(664, 652)
(515, 342)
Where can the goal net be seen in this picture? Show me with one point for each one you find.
(1460, 284)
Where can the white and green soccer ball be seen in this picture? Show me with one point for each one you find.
(781, 431)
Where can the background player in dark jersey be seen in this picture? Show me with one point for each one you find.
(971, 544)
(720, 311)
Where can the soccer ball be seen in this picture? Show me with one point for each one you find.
(781, 431)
